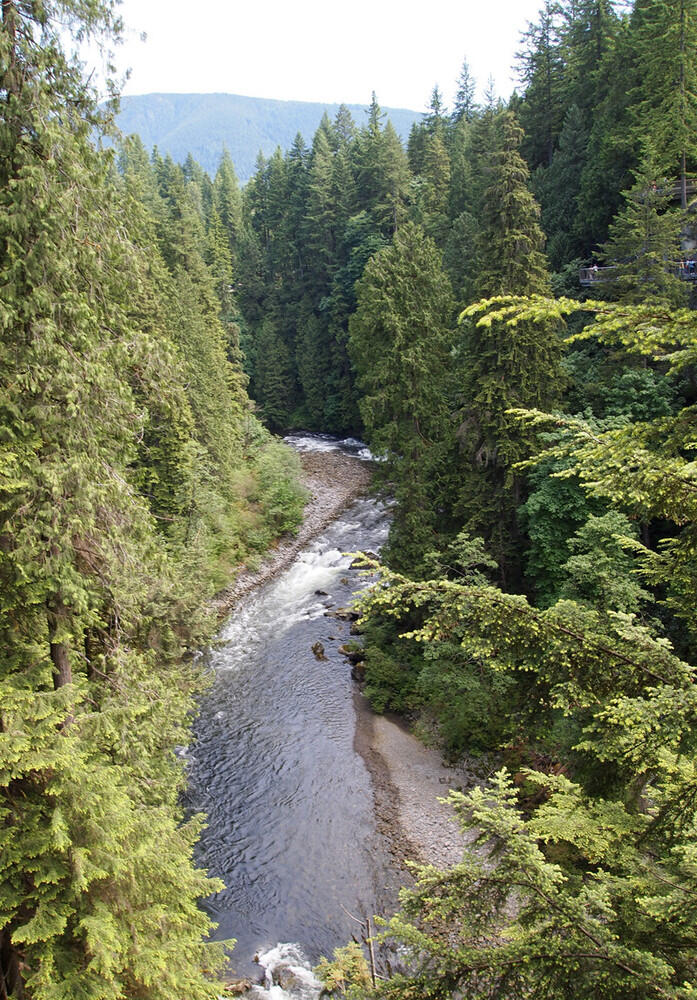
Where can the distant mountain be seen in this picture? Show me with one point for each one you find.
(201, 124)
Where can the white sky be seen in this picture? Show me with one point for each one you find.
(321, 50)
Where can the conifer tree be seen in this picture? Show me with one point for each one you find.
(504, 367)
(320, 235)
(273, 387)
(99, 894)
(541, 69)
(644, 244)
(434, 189)
(599, 861)
(400, 338)
(465, 107)
(665, 36)
(227, 200)
(557, 189)
(589, 33)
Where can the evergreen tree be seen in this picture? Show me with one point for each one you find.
(599, 858)
(589, 35)
(434, 189)
(465, 106)
(665, 39)
(227, 200)
(93, 850)
(541, 69)
(400, 338)
(320, 216)
(511, 240)
(644, 244)
(557, 189)
(382, 172)
(504, 367)
(273, 385)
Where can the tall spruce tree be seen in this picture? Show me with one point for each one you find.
(464, 107)
(665, 38)
(557, 189)
(400, 339)
(644, 243)
(541, 68)
(502, 366)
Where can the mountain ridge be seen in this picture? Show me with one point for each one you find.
(205, 124)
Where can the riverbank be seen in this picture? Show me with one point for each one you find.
(409, 780)
(333, 481)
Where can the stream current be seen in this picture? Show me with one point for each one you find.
(291, 828)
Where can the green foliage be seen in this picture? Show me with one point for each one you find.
(278, 472)
(347, 974)
(524, 921)
(121, 470)
(400, 336)
(582, 879)
(502, 366)
(644, 243)
(598, 572)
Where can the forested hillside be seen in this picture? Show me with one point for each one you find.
(504, 309)
(133, 478)
(537, 602)
(203, 125)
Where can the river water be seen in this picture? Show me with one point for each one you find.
(291, 827)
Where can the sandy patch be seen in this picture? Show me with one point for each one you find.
(409, 779)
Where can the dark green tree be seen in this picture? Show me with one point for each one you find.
(400, 339)
(500, 366)
(665, 40)
(644, 241)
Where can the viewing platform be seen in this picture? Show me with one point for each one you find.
(686, 270)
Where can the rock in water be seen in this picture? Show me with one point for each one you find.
(318, 650)
(352, 654)
(358, 672)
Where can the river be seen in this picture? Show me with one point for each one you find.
(291, 826)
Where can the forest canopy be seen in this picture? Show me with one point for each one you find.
(505, 310)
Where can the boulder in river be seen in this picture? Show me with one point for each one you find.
(237, 988)
(345, 614)
(358, 672)
(351, 652)
(318, 650)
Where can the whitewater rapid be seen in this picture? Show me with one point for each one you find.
(291, 828)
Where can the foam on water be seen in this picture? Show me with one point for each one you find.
(291, 827)
(327, 442)
(286, 964)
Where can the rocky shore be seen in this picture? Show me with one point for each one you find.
(409, 782)
(333, 480)
(408, 778)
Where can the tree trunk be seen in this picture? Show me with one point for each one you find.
(62, 674)
(11, 984)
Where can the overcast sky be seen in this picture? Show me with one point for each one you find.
(321, 50)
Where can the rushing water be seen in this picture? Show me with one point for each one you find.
(291, 828)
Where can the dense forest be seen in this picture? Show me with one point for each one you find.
(504, 310)
(133, 477)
